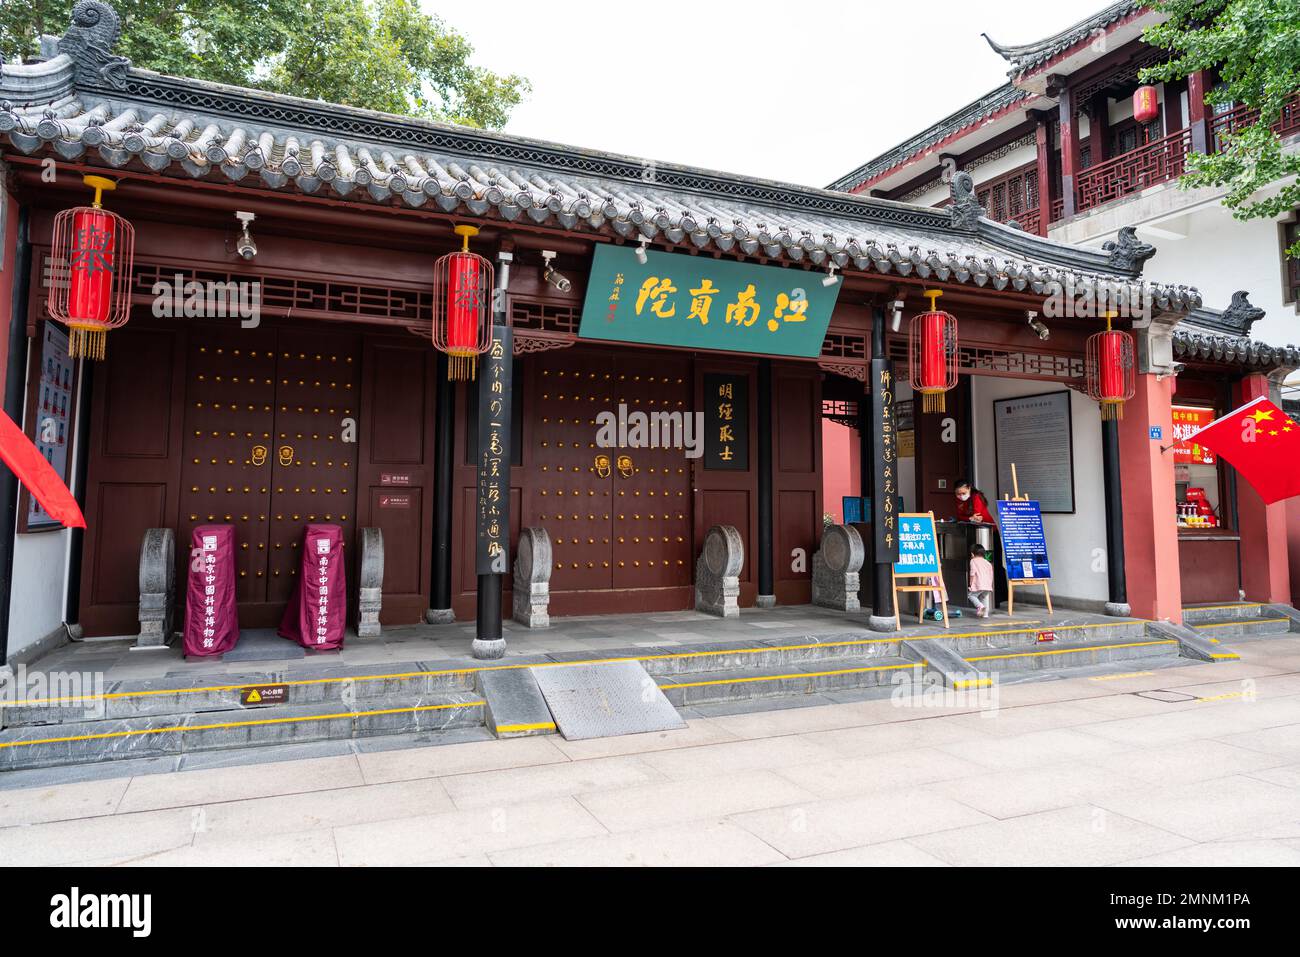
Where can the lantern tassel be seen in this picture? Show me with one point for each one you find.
(1112, 411)
(462, 368)
(87, 343)
(933, 402)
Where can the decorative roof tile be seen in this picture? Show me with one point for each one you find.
(88, 105)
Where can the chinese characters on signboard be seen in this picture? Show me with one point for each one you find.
(918, 548)
(1024, 543)
(726, 422)
(1187, 421)
(885, 480)
(494, 409)
(54, 400)
(705, 303)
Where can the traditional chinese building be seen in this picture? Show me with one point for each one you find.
(1075, 148)
(667, 343)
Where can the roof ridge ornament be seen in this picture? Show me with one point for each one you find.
(1127, 252)
(1241, 313)
(965, 209)
(92, 34)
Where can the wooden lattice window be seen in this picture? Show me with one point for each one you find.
(1291, 265)
(1011, 195)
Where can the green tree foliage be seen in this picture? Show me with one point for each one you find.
(1255, 47)
(374, 54)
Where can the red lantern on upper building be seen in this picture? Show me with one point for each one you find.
(462, 307)
(932, 354)
(1146, 104)
(1111, 369)
(91, 255)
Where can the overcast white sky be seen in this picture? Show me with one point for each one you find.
(795, 91)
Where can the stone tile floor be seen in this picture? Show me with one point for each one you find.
(436, 643)
(1089, 767)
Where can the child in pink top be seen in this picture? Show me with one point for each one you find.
(980, 582)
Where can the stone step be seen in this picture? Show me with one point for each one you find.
(87, 742)
(809, 677)
(724, 656)
(1071, 654)
(999, 636)
(1224, 628)
(1198, 614)
(182, 695)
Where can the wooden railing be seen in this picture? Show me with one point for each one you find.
(1234, 119)
(1157, 162)
(1029, 221)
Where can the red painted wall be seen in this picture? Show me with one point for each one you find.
(841, 466)
(1150, 532)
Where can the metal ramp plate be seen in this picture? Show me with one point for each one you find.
(604, 700)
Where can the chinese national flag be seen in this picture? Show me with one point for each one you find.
(25, 461)
(1262, 443)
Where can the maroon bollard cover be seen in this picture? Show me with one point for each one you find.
(211, 617)
(318, 607)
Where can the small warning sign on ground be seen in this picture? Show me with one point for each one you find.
(264, 694)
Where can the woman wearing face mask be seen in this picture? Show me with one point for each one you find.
(972, 506)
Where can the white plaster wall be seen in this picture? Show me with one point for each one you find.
(1220, 255)
(1073, 540)
(39, 587)
(40, 569)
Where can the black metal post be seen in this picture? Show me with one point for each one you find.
(72, 612)
(1117, 587)
(495, 411)
(443, 494)
(14, 386)
(884, 484)
(766, 592)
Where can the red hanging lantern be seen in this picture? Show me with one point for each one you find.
(1146, 104)
(462, 307)
(1111, 369)
(932, 354)
(91, 255)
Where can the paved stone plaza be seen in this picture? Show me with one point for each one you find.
(1180, 764)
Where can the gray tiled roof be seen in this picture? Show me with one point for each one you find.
(1026, 56)
(1233, 350)
(988, 104)
(87, 104)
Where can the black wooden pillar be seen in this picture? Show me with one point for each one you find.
(1117, 587)
(883, 436)
(766, 592)
(443, 458)
(495, 408)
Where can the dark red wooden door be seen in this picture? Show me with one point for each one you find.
(652, 527)
(618, 517)
(226, 458)
(313, 458)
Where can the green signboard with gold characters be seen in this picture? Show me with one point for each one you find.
(699, 302)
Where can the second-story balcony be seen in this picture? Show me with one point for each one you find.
(1165, 159)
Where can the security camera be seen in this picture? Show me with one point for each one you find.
(558, 280)
(897, 306)
(244, 245)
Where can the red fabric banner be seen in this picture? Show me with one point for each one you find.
(318, 607)
(211, 617)
(1262, 443)
(25, 461)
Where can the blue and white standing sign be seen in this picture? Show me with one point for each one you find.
(1024, 545)
(918, 546)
